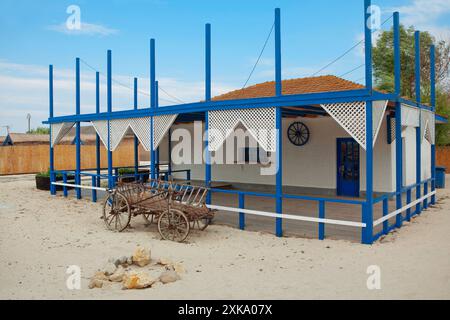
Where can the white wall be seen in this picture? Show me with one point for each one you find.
(313, 165)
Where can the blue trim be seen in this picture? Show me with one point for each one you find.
(279, 174)
(278, 76)
(78, 128)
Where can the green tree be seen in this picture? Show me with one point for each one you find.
(383, 58)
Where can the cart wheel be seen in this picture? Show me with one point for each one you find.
(116, 212)
(173, 225)
(202, 223)
(148, 217)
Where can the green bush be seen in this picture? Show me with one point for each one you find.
(125, 171)
(46, 174)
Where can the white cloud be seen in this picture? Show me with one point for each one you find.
(424, 15)
(89, 29)
(24, 89)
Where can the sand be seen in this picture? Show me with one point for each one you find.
(41, 235)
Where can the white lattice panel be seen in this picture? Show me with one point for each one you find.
(59, 130)
(101, 127)
(260, 123)
(378, 110)
(141, 128)
(117, 130)
(410, 116)
(393, 129)
(351, 117)
(428, 123)
(161, 124)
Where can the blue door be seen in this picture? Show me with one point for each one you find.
(347, 167)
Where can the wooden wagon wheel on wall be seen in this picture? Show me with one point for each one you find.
(298, 134)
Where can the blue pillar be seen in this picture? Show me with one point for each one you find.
(398, 120)
(241, 214)
(368, 44)
(367, 217)
(208, 62)
(97, 139)
(136, 140)
(279, 174)
(207, 161)
(207, 98)
(78, 130)
(321, 216)
(152, 105)
(52, 155)
(418, 130)
(433, 106)
(278, 79)
(109, 109)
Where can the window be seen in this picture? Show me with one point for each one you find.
(254, 155)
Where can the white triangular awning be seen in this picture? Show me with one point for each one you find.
(117, 130)
(101, 127)
(260, 123)
(428, 123)
(141, 128)
(161, 125)
(351, 116)
(410, 116)
(59, 131)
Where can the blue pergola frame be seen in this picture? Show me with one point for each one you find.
(307, 103)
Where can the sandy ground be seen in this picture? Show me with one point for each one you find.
(40, 236)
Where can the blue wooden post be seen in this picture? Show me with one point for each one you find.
(157, 149)
(207, 98)
(65, 193)
(385, 213)
(398, 120)
(425, 192)
(367, 216)
(78, 130)
(51, 154)
(136, 140)
(418, 130)
(368, 43)
(241, 214)
(94, 192)
(278, 79)
(109, 108)
(433, 106)
(208, 62)
(321, 216)
(152, 105)
(279, 173)
(408, 201)
(97, 139)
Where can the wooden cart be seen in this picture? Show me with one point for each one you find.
(176, 208)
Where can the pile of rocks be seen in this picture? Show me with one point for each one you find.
(128, 271)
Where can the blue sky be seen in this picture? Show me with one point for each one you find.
(33, 35)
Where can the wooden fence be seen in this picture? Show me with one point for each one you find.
(443, 157)
(35, 158)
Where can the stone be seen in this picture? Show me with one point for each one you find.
(109, 268)
(179, 269)
(141, 257)
(137, 280)
(129, 261)
(118, 275)
(123, 260)
(165, 261)
(169, 276)
(95, 283)
(100, 275)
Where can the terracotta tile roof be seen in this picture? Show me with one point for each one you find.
(293, 86)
